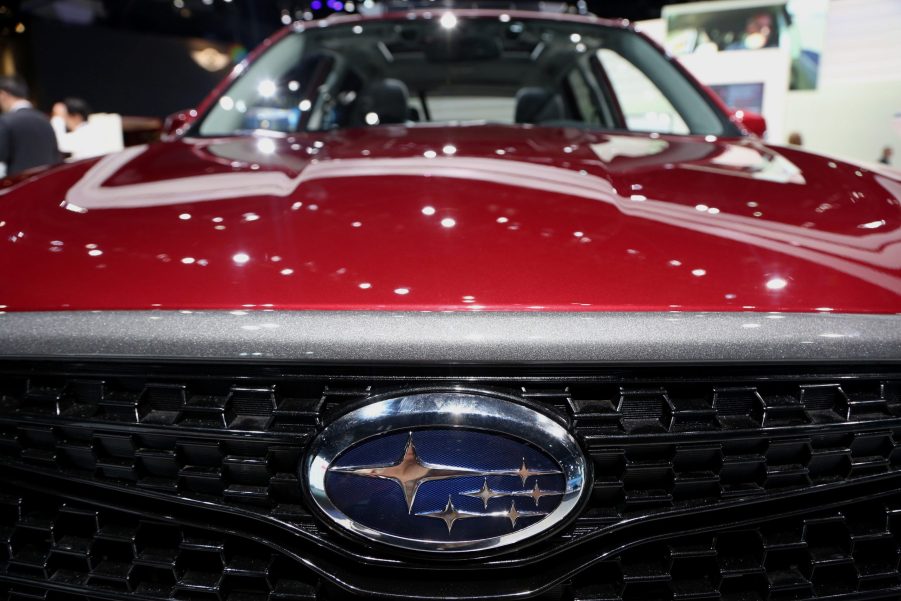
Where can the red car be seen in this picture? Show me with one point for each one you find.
(452, 304)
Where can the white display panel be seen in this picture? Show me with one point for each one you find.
(769, 67)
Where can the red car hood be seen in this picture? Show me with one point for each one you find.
(461, 218)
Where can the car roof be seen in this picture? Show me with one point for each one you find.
(419, 13)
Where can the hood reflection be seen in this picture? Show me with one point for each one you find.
(279, 172)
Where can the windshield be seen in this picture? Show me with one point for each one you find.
(450, 69)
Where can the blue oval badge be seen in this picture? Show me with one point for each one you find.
(446, 472)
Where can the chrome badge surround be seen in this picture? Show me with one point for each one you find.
(450, 409)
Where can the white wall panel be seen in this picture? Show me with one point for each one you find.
(863, 42)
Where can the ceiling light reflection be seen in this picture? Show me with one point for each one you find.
(448, 20)
(776, 284)
(266, 146)
(267, 88)
(872, 225)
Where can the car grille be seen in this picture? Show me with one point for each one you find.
(709, 482)
(54, 549)
(89, 550)
(828, 554)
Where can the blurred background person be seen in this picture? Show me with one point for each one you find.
(886, 158)
(80, 136)
(26, 137)
(758, 34)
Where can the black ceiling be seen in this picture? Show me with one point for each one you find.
(243, 21)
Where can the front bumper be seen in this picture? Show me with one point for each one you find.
(145, 457)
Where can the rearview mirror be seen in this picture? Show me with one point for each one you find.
(752, 123)
(177, 124)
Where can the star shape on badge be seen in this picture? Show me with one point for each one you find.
(485, 493)
(513, 514)
(450, 514)
(524, 472)
(409, 472)
(536, 494)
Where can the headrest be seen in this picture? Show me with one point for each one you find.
(387, 100)
(534, 105)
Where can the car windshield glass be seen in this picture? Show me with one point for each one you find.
(449, 69)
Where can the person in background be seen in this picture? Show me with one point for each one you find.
(758, 33)
(795, 139)
(76, 136)
(886, 158)
(26, 137)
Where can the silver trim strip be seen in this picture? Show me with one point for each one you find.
(379, 336)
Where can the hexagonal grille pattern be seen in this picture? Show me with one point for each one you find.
(233, 438)
(90, 549)
(854, 550)
(653, 447)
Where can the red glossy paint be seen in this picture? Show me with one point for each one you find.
(502, 218)
(750, 122)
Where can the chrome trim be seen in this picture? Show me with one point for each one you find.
(442, 410)
(374, 336)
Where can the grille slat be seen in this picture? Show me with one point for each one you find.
(654, 446)
(679, 442)
(849, 551)
(105, 550)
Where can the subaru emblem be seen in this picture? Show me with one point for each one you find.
(446, 472)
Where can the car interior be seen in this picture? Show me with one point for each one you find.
(548, 73)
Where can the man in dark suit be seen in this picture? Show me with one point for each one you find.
(26, 138)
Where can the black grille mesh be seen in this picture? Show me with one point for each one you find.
(686, 406)
(675, 441)
(638, 478)
(756, 437)
(237, 470)
(91, 549)
(595, 405)
(45, 541)
(854, 550)
(216, 403)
